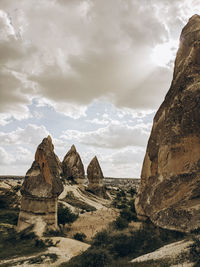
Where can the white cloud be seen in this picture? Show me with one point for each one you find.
(6, 158)
(30, 135)
(115, 135)
(77, 52)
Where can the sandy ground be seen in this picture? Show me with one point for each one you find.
(90, 223)
(65, 250)
(171, 251)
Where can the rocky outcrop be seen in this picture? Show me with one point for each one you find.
(169, 192)
(40, 190)
(72, 166)
(95, 178)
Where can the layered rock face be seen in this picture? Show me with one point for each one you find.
(95, 178)
(169, 192)
(40, 190)
(72, 166)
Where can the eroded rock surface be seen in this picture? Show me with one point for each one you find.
(40, 190)
(95, 178)
(72, 166)
(169, 192)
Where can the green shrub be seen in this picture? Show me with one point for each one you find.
(132, 191)
(120, 223)
(9, 216)
(80, 236)
(50, 233)
(195, 252)
(101, 238)
(95, 257)
(65, 215)
(39, 259)
(128, 215)
(196, 231)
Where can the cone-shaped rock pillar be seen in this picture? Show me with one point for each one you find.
(95, 178)
(40, 190)
(72, 166)
(169, 193)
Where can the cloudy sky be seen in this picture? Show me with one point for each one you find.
(88, 72)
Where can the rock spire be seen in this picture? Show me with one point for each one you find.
(40, 190)
(72, 166)
(95, 178)
(169, 192)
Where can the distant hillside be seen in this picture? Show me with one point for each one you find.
(122, 182)
(108, 181)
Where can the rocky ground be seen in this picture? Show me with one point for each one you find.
(95, 214)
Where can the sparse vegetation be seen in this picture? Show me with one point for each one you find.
(80, 237)
(25, 241)
(127, 211)
(8, 202)
(119, 246)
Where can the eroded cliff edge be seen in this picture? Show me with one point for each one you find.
(169, 193)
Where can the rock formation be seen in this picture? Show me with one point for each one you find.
(73, 167)
(40, 190)
(95, 178)
(169, 192)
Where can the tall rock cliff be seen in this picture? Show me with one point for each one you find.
(169, 192)
(72, 166)
(40, 190)
(95, 179)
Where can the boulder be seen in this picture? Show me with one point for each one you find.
(169, 193)
(40, 190)
(72, 167)
(95, 178)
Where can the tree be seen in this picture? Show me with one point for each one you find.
(65, 215)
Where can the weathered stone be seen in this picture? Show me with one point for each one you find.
(40, 190)
(169, 193)
(95, 178)
(72, 166)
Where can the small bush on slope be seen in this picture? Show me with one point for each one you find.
(195, 252)
(65, 215)
(80, 236)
